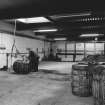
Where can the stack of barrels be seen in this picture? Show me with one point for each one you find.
(82, 75)
(81, 80)
(89, 79)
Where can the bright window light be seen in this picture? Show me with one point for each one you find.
(46, 30)
(91, 35)
(34, 20)
(59, 38)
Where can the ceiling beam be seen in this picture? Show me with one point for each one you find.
(32, 8)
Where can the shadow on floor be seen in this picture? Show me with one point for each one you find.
(52, 72)
(47, 74)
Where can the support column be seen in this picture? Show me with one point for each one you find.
(65, 49)
(44, 49)
(104, 48)
(74, 55)
(84, 49)
(7, 54)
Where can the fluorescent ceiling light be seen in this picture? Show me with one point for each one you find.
(34, 20)
(91, 35)
(70, 15)
(46, 30)
(59, 38)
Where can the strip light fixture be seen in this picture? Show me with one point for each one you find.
(60, 39)
(71, 15)
(33, 20)
(91, 35)
(46, 30)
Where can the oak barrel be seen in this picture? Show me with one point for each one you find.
(98, 85)
(81, 80)
(21, 67)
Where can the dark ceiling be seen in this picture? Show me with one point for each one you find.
(70, 27)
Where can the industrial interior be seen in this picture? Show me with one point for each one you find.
(52, 52)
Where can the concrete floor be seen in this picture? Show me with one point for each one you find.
(49, 86)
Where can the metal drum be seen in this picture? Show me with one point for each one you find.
(81, 80)
(21, 67)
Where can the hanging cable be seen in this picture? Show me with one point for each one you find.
(14, 35)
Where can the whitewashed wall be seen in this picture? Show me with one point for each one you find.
(60, 44)
(21, 43)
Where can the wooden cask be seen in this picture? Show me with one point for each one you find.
(21, 67)
(81, 80)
